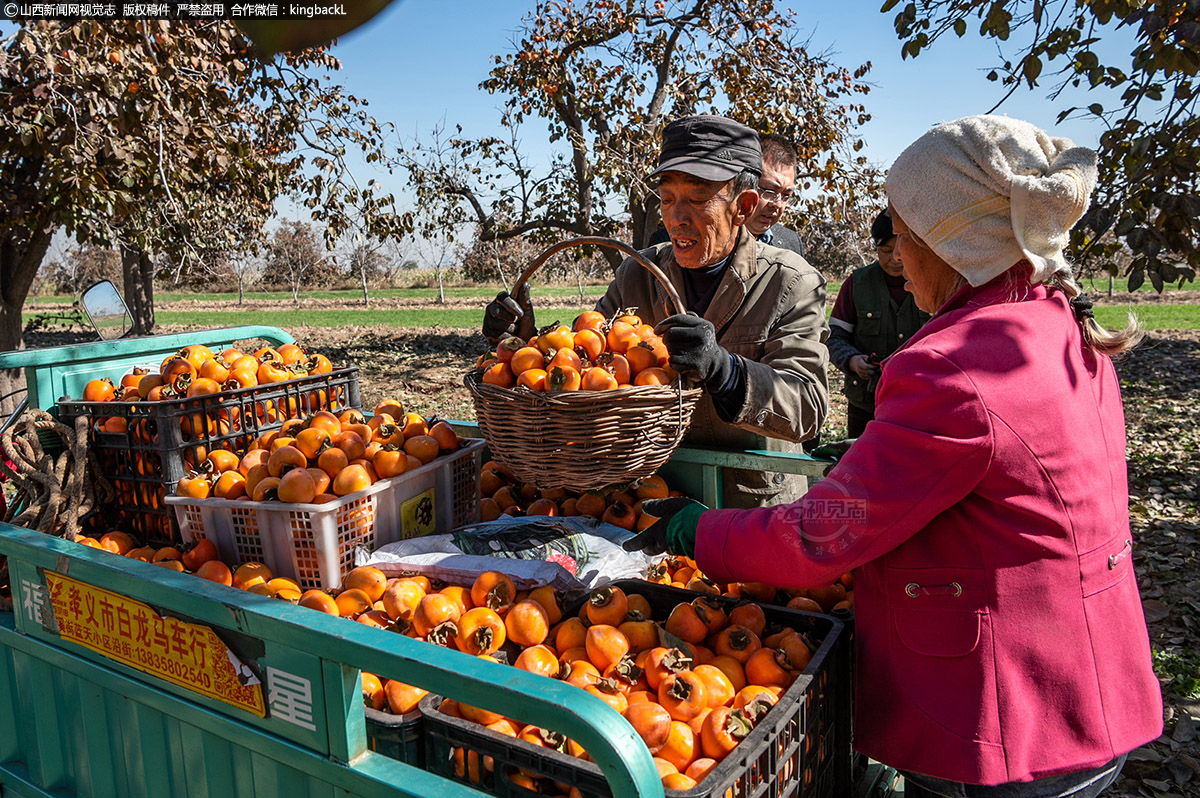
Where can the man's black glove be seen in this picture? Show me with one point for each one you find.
(675, 529)
(507, 316)
(692, 344)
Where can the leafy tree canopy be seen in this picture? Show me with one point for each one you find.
(1147, 198)
(168, 139)
(604, 77)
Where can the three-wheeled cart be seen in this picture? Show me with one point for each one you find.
(119, 678)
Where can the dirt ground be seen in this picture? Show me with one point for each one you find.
(1160, 380)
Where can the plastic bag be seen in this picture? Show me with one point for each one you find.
(575, 554)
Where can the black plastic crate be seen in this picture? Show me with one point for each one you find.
(396, 736)
(852, 767)
(164, 440)
(792, 752)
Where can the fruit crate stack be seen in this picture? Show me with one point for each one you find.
(315, 544)
(152, 444)
(836, 600)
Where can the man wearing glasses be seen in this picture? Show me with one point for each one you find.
(755, 333)
(776, 188)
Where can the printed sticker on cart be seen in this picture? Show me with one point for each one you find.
(186, 654)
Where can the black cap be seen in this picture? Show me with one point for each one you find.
(709, 147)
(881, 229)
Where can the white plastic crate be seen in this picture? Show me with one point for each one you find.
(315, 543)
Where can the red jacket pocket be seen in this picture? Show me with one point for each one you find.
(937, 632)
(1106, 565)
(943, 659)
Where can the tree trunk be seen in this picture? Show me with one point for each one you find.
(20, 256)
(644, 219)
(613, 256)
(10, 379)
(441, 289)
(241, 287)
(362, 272)
(138, 276)
(296, 293)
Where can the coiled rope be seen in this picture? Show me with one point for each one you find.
(59, 490)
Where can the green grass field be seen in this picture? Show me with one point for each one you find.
(350, 295)
(464, 318)
(1151, 317)
(228, 313)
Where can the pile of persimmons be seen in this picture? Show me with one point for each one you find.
(197, 371)
(199, 559)
(692, 684)
(595, 354)
(683, 572)
(503, 494)
(323, 457)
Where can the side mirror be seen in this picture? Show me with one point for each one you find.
(106, 311)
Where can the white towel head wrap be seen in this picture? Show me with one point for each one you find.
(985, 192)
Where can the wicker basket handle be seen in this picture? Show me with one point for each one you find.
(611, 243)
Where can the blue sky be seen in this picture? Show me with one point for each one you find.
(420, 62)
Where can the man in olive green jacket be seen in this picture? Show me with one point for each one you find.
(756, 331)
(769, 310)
(873, 316)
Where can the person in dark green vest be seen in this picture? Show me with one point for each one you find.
(872, 317)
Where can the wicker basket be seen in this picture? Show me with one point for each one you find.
(584, 440)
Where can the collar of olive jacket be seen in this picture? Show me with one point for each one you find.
(742, 266)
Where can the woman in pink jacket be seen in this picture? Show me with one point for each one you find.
(1002, 647)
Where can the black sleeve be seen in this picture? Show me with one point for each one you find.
(729, 400)
(841, 347)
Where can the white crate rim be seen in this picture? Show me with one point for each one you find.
(473, 444)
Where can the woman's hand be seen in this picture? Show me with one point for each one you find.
(834, 450)
(675, 529)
